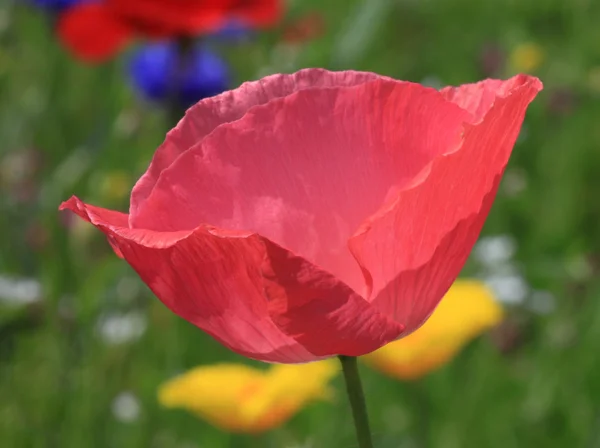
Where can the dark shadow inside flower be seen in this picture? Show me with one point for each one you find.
(162, 71)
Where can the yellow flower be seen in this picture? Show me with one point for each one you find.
(240, 398)
(467, 310)
(526, 57)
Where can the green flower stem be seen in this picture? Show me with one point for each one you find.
(357, 401)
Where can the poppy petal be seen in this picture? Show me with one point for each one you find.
(164, 262)
(415, 248)
(477, 98)
(347, 150)
(319, 311)
(246, 292)
(92, 32)
(203, 118)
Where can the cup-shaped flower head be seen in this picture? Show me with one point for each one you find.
(162, 73)
(467, 310)
(320, 213)
(240, 398)
(94, 31)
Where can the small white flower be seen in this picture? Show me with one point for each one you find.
(494, 250)
(20, 291)
(121, 328)
(126, 407)
(509, 288)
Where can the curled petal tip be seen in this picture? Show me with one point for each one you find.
(538, 84)
(532, 81)
(69, 204)
(75, 205)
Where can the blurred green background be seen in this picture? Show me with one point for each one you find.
(84, 345)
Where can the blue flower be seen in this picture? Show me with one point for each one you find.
(161, 73)
(233, 31)
(56, 5)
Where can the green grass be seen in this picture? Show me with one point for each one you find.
(58, 379)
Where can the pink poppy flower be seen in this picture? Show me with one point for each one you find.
(316, 214)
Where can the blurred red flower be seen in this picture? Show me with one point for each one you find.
(315, 214)
(96, 30)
